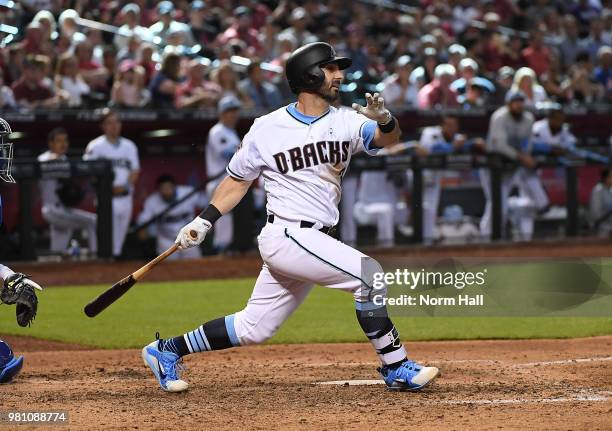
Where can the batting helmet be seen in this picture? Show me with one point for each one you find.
(6, 152)
(303, 67)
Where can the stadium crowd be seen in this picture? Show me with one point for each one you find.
(182, 54)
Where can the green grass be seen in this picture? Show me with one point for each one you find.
(326, 316)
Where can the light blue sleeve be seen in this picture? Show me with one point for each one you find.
(367, 131)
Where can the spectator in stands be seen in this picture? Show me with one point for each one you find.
(92, 72)
(356, 50)
(13, 68)
(225, 76)
(263, 93)
(131, 49)
(128, 88)
(222, 143)
(603, 72)
(196, 91)
(597, 38)
(526, 82)
(68, 26)
(242, 30)
(579, 87)
(130, 14)
(438, 94)
(536, 54)
(509, 133)
(60, 198)
(468, 71)
(570, 45)
(398, 90)
(503, 83)
(167, 25)
(164, 84)
(30, 91)
(7, 98)
(511, 55)
(456, 53)
(126, 169)
(424, 74)
(33, 42)
(48, 26)
(166, 196)
(298, 27)
(600, 205)
(146, 60)
(67, 78)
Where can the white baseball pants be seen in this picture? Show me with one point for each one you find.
(294, 260)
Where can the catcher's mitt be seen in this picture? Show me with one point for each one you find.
(19, 289)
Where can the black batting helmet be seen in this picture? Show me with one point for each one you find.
(303, 67)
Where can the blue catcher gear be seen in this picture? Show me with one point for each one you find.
(6, 152)
(9, 364)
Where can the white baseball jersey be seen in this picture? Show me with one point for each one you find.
(176, 218)
(302, 159)
(123, 154)
(541, 134)
(221, 146)
(48, 187)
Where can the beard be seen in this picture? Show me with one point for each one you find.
(329, 94)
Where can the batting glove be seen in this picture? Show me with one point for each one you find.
(374, 109)
(193, 233)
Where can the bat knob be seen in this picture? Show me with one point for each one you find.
(193, 234)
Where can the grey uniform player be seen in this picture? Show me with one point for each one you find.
(509, 135)
(301, 151)
(222, 143)
(126, 168)
(164, 230)
(62, 218)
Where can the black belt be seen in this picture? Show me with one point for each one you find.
(307, 224)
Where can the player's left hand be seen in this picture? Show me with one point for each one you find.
(374, 109)
(20, 290)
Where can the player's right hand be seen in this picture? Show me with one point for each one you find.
(193, 233)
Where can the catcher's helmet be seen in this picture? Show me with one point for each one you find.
(303, 67)
(6, 152)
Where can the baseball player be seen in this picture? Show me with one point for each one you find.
(16, 288)
(126, 167)
(62, 219)
(166, 227)
(442, 139)
(549, 135)
(223, 141)
(509, 135)
(302, 151)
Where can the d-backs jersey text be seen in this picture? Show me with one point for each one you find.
(302, 159)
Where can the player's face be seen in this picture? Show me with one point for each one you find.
(450, 126)
(112, 126)
(556, 120)
(59, 144)
(166, 190)
(516, 107)
(330, 89)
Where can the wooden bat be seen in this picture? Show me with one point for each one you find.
(109, 296)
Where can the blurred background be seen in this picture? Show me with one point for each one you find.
(185, 79)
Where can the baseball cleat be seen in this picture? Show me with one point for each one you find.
(166, 366)
(409, 376)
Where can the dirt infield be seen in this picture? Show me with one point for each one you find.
(539, 384)
(93, 272)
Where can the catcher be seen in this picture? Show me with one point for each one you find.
(16, 288)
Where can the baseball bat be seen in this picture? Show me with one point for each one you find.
(109, 296)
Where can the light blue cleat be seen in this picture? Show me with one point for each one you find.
(409, 376)
(166, 366)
